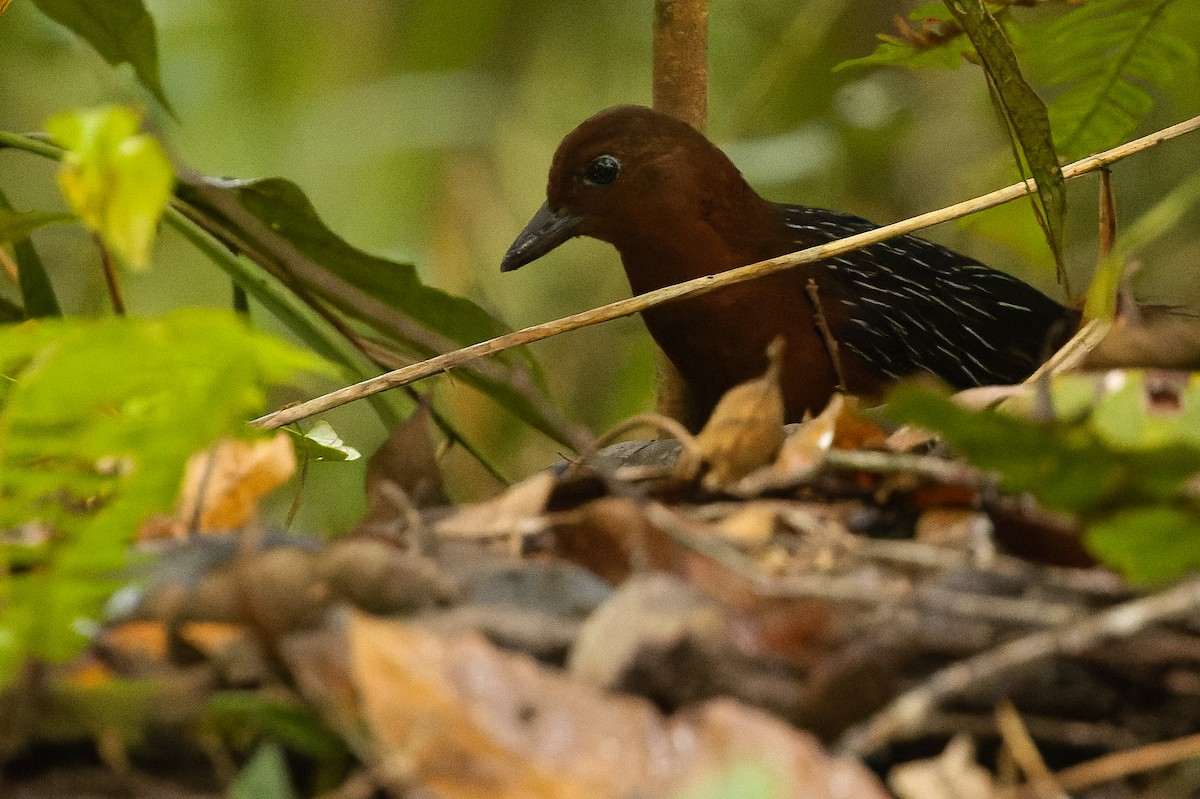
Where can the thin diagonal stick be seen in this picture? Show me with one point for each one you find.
(703, 285)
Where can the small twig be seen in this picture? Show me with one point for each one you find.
(702, 285)
(831, 345)
(1108, 216)
(1074, 352)
(1100, 735)
(301, 482)
(907, 712)
(110, 277)
(859, 588)
(1120, 764)
(934, 468)
(210, 464)
(1024, 752)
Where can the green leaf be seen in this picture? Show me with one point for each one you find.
(1148, 544)
(10, 311)
(117, 180)
(37, 293)
(416, 319)
(322, 443)
(1067, 465)
(97, 421)
(121, 31)
(15, 225)
(944, 51)
(1107, 56)
(1126, 420)
(1025, 114)
(284, 208)
(292, 312)
(247, 717)
(265, 776)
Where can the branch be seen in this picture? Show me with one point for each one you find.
(702, 285)
(909, 710)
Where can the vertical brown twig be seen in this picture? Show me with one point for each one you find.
(831, 344)
(680, 88)
(681, 60)
(1126, 308)
(1108, 215)
(110, 277)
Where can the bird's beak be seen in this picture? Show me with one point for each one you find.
(544, 232)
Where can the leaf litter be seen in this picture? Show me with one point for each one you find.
(640, 623)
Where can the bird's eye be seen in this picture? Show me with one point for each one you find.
(602, 170)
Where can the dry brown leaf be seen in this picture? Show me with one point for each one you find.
(225, 482)
(745, 430)
(89, 672)
(953, 774)
(468, 720)
(407, 460)
(611, 537)
(209, 637)
(282, 587)
(515, 512)
(751, 526)
(854, 429)
(804, 450)
(137, 639)
(909, 439)
(963, 529)
(840, 425)
(654, 626)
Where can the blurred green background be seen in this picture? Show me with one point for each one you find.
(422, 130)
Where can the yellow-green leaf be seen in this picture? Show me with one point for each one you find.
(117, 181)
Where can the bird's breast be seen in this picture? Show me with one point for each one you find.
(718, 340)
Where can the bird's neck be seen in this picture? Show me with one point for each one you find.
(695, 238)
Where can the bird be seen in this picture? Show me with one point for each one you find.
(676, 208)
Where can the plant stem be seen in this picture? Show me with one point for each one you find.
(110, 277)
(681, 60)
(680, 88)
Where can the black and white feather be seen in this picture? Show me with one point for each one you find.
(917, 306)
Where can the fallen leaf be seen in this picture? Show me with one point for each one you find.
(407, 459)
(137, 639)
(612, 538)
(515, 512)
(468, 720)
(750, 526)
(962, 529)
(209, 637)
(804, 450)
(953, 774)
(223, 484)
(745, 430)
(380, 577)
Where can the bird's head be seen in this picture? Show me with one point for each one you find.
(624, 174)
